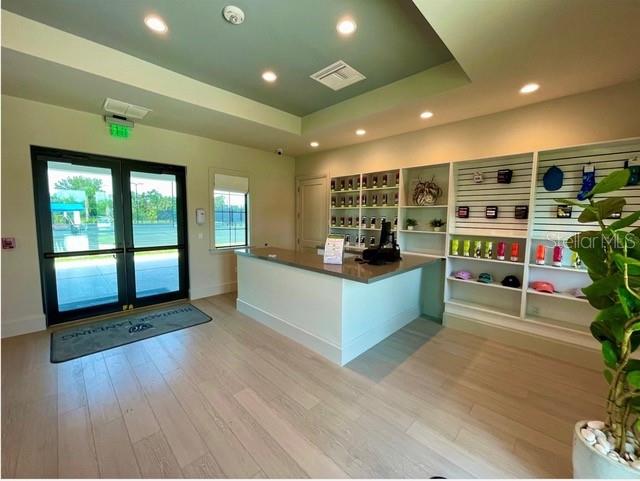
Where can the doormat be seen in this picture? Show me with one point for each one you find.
(99, 336)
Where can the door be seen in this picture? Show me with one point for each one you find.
(111, 233)
(312, 208)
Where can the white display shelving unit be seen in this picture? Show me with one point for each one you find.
(365, 199)
(560, 316)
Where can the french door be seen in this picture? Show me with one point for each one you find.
(111, 233)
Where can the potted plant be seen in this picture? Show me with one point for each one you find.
(411, 223)
(611, 253)
(437, 224)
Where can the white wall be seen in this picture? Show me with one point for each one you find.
(26, 123)
(599, 115)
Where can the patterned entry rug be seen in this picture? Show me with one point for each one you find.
(99, 336)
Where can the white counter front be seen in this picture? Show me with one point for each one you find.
(336, 317)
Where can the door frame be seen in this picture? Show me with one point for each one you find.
(124, 257)
(299, 179)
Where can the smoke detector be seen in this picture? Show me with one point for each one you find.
(233, 14)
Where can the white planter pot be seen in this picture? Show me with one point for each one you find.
(410, 227)
(590, 464)
(437, 229)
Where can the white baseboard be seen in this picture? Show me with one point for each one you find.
(322, 347)
(569, 352)
(212, 290)
(378, 333)
(17, 327)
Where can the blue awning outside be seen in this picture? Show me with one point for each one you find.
(61, 207)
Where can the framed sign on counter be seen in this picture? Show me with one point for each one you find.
(334, 249)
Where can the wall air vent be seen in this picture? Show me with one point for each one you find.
(125, 109)
(338, 75)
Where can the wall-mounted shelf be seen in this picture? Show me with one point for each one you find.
(369, 189)
(407, 231)
(439, 206)
(558, 268)
(483, 284)
(483, 259)
(557, 295)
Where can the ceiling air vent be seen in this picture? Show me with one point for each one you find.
(338, 75)
(125, 109)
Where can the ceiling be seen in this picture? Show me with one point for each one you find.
(293, 38)
(568, 46)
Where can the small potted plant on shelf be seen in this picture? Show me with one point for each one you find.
(411, 223)
(611, 252)
(437, 224)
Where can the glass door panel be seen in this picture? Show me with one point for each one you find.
(157, 234)
(153, 209)
(86, 281)
(81, 206)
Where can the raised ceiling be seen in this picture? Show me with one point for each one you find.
(568, 46)
(293, 38)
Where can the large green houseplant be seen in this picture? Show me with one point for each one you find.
(611, 253)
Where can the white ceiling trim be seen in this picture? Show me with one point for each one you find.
(36, 39)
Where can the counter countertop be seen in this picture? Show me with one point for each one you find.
(350, 269)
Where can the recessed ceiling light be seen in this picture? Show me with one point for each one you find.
(346, 26)
(314, 144)
(426, 115)
(155, 23)
(361, 132)
(529, 88)
(269, 76)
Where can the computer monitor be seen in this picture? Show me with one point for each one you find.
(384, 233)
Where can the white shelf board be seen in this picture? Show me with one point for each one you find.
(343, 227)
(423, 232)
(481, 307)
(345, 191)
(561, 269)
(369, 189)
(345, 208)
(489, 233)
(435, 206)
(379, 206)
(564, 325)
(483, 284)
(482, 259)
(557, 295)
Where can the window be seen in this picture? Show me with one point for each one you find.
(230, 211)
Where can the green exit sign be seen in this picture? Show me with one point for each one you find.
(118, 130)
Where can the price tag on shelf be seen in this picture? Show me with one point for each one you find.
(334, 249)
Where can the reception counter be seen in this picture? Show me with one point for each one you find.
(338, 311)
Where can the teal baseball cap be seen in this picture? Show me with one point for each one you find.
(485, 278)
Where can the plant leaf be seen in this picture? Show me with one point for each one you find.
(601, 332)
(609, 354)
(626, 221)
(605, 286)
(608, 375)
(633, 378)
(582, 205)
(590, 247)
(614, 181)
(629, 302)
(589, 214)
(608, 206)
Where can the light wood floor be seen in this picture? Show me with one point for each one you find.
(232, 398)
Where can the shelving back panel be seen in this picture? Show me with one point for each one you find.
(606, 159)
(479, 195)
(439, 173)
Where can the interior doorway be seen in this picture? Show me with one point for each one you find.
(311, 212)
(111, 233)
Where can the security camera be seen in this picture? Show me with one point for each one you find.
(280, 151)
